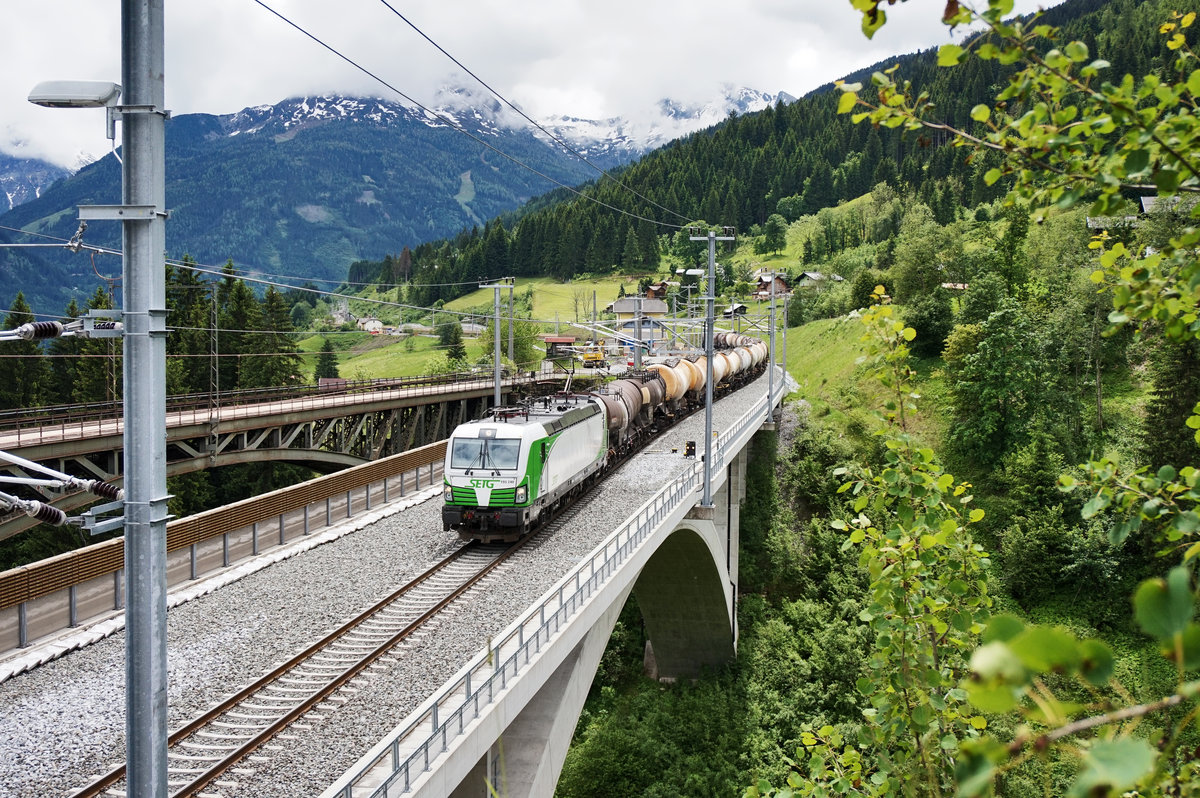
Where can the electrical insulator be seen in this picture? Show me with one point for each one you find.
(46, 513)
(106, 491)
(40, 330)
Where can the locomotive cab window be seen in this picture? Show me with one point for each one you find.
(488, 453)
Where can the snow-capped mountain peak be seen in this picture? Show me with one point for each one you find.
(615, 140)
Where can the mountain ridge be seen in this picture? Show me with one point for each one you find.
(311, 184)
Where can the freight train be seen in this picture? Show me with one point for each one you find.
(509, 472)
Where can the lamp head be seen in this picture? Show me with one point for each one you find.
(75, 94)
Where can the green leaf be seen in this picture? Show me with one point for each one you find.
(847, 102)
(1002, 628)
(1167, 181)
(976, 515)
(1114, 766)
(981, 112)
(1187, 522)
(1077, 51)
(950, 55)
(870, 23)
(1098, 662)
(1043, 649)
(990, 697)
(1163, 608)
(1193, 83)
(1094, 505)
(1189, 647)
(1136, 162)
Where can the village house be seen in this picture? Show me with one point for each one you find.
(653, 311)
(660, 289)
(370, 324)
(763, 291)
(816, 279)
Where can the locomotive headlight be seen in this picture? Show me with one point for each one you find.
(522, 494)
(448, 493)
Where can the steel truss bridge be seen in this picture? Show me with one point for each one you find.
(324, 430)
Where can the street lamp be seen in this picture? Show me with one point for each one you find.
(80, 94)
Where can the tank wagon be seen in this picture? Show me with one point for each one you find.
(509, 472)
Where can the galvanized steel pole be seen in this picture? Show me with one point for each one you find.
(143, 180)
(512, 318)
(637, 348)
(771, 356)
(496, 343)
(709, 329)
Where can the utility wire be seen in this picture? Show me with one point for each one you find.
(451, 124)
(503, 99)
(220, 272)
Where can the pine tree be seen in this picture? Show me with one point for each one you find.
(631, 255)
(327, 365)
(27, 372)
(279, 361)
(64, 362)
(98, 376)
(1175, 371)
(450, 337)
(189, 309)
(241, 318)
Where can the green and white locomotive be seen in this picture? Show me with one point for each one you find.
(507, 473)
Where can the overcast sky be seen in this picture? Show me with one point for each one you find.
(588, 59)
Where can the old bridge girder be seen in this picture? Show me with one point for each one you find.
(320, 440)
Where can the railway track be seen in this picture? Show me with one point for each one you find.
(203, 750)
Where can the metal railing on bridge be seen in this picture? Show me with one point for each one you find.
(32, 426)
(447, 713)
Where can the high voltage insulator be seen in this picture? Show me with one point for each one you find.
(46, 513)
(40, 330)
(107, 490)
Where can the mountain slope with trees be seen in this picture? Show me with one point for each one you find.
(791, 159)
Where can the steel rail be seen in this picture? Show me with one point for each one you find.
(114, 776)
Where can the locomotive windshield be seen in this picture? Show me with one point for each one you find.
(488, 453)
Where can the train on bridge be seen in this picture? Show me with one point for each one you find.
(509, 472)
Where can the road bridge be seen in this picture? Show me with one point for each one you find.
(528, 687)
(321, 430)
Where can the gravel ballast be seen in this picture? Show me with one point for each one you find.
(64, 721)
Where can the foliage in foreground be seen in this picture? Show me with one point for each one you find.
(1065, 135)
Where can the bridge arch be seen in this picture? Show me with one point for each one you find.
(686, 596)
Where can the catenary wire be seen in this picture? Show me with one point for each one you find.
(505, 100)
(219, 272)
